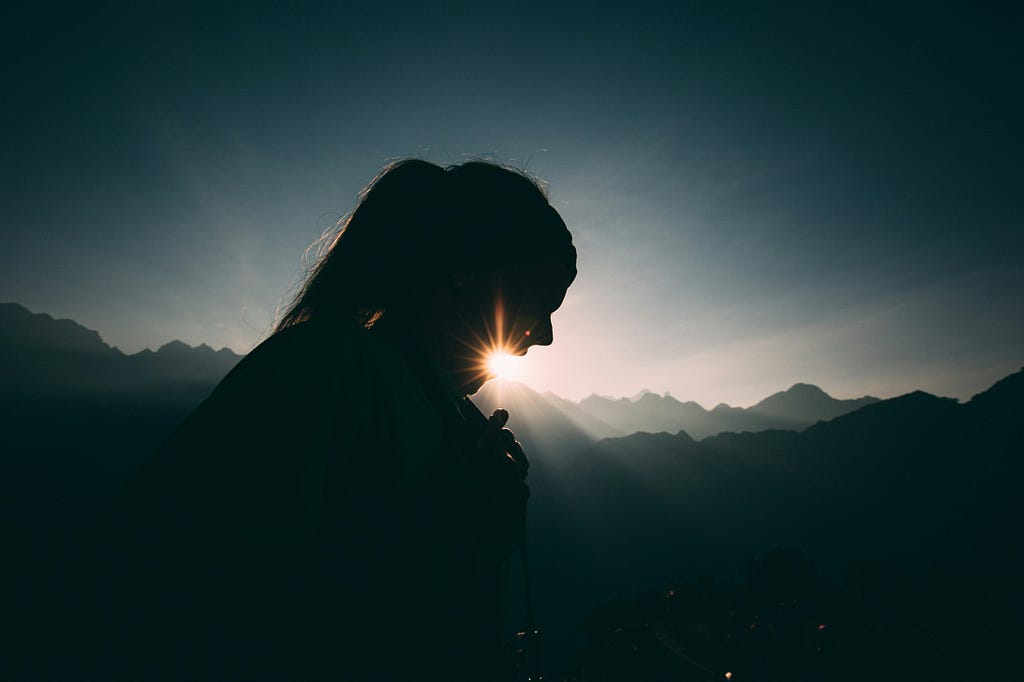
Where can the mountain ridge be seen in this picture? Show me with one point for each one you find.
(796, 408)
(27, 332)
(43, 327)
(51, 359)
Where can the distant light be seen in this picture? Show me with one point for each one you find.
(526, 333)
(728, 676)
(503, 365)
(821, 627)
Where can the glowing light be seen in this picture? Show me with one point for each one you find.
(728, 676)
(503, 365)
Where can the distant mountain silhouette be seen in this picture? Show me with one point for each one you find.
(795, 409)
(23, 329)
(805, 404)
(47, 358)
(60, 360)
(66, 391)
(641, 394)
(917, 481)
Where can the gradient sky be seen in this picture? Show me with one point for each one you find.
(758, 196)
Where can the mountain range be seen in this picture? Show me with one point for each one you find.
(919, 489)
(45, 357)
(795, 409)
(49, 361)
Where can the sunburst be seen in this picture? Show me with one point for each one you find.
(503, 365)
(493, 354)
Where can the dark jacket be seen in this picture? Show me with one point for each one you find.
(312, 519)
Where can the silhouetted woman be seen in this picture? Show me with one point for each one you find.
(336, 508)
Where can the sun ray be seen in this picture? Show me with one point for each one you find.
(489, 351)
(504, 366)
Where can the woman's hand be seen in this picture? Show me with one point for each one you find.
(497, 441)
(488, 491)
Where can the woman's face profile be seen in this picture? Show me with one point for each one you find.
(507, 312)
(523, 300)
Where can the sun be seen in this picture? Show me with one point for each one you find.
(504, 366)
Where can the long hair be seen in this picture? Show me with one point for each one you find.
(417, 223)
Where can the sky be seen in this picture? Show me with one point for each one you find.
(825, 193)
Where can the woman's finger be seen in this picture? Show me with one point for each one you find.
(495, 424)
(516, 453)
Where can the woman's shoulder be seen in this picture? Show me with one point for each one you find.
(307, 356)
(315, 341)
(301, 374)
(299, 385)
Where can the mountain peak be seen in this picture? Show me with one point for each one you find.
(806, 404)
(23, 328)
(174, 346)
(806, 389)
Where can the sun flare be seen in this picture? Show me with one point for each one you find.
(502, 365)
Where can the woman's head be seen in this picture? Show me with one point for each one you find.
(427, 242)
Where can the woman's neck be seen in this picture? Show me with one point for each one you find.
(426, 349)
